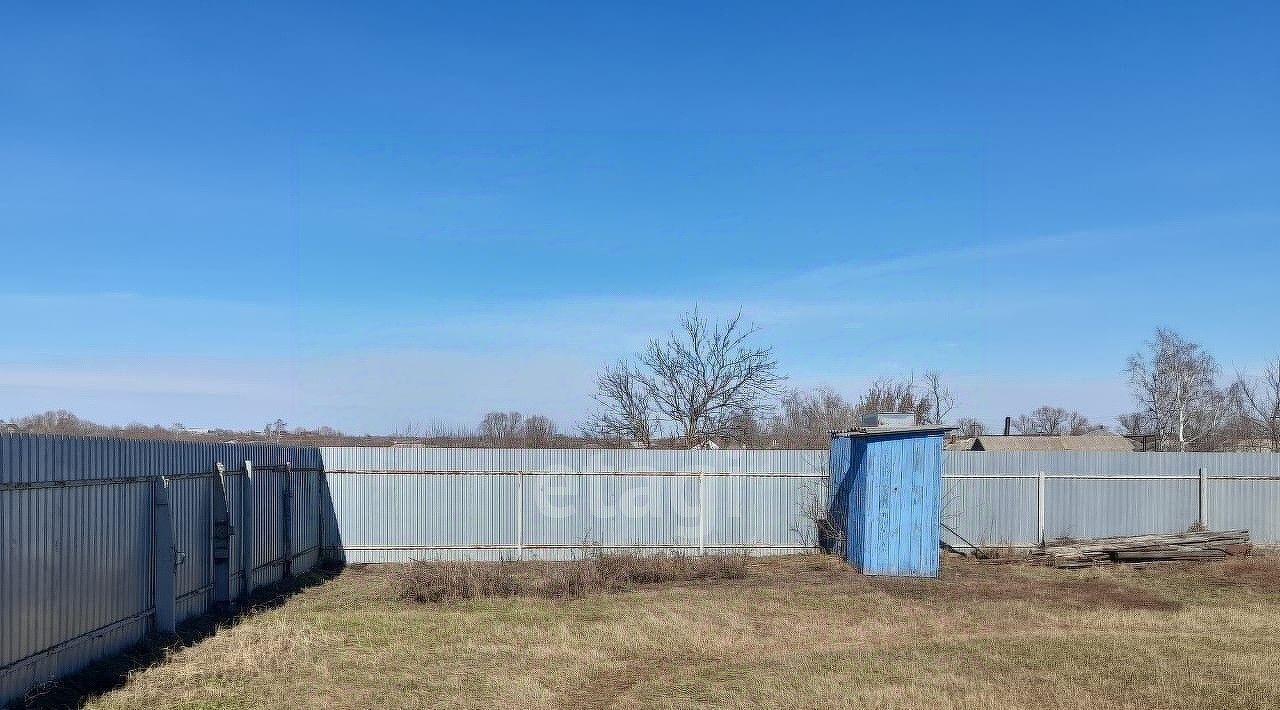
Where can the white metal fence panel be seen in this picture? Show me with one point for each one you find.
(1003, 498)
(1245, 504)
(397, 504)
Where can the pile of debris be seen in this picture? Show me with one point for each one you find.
(1197, 545)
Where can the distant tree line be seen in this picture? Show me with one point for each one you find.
(711, 384)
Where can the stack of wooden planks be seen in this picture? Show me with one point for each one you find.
(1198, 545)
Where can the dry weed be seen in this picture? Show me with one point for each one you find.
(431, 581)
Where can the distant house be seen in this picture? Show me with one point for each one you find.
(961, 444)
(1084, 442)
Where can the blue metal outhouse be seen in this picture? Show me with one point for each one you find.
(884, 505)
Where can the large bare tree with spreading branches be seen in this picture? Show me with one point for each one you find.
(1175, 385)
(706, 381)
(625, 407)
(1257, 402)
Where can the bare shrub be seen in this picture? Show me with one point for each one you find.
(426, 581)
(422, 581)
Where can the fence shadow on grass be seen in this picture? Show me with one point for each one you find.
(113, 672)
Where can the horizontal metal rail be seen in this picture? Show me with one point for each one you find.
(74, 640)
(194, 592)
(567, 546)
(1105, 477)
(680, 474)
(118, 480)
(74, 483)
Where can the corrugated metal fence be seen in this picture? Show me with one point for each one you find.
(397, 504)
(1020, 498)
(104, 540)
(86, 523)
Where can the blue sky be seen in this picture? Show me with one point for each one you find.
(365, 216)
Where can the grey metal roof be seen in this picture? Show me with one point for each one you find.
(886, 430)
(1084, 442)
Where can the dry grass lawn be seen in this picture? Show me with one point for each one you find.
(802, 631)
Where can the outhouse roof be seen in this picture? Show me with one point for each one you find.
(887, 430)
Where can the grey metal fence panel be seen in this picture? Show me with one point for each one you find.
(76, 514)
(610, 511)
(409, 515)
(1101, 507)
(992, 498)
(1252, 505)
(305, 519)
(76, 542)
(987, 511)
(235, 511)
(772, 513)
(190, 507)
(268, 535)
(408, 459)
(961, 463)
(393, 504)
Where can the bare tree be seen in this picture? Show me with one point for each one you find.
(502, 428)
(273, 431)
(707, 380)
(807, 419)
(1052, 421)
(939, 396)
(539, 430)
(969, 428)
(899, 396)
(1175, 386)
(626, 409)
(57, 421)
(1257, 403)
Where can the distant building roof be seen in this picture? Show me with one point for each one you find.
(1084, 442)
(891, 429)
(961, 444)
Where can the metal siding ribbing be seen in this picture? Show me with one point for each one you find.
(1245, 505)
(762, 512)
(611, 511)
(988, 512)
(305, 520)
(394, 504)
(991, 498)
(403, 510)
(268, 541)
(76, 542)
(1100, 508)
(75, 560)
(960, 463)
(235, 502)
(189, 504)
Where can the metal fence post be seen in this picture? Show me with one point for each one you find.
(1040, 507)
(1204, 498)
(702, 512)
(164, 564)
(286, 520)
(520, 515)
(220, 532)
(247, 506)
